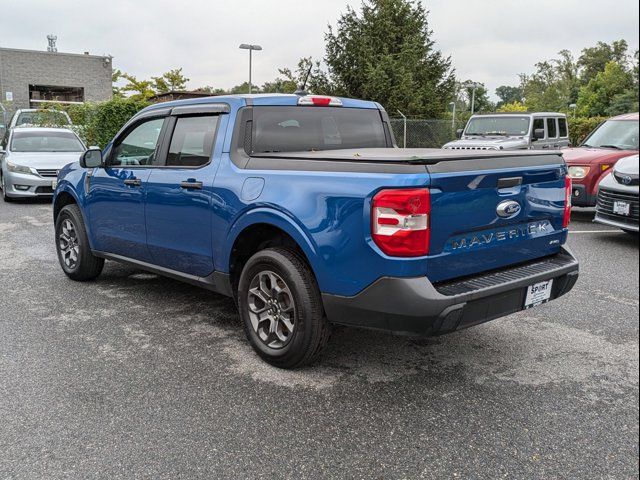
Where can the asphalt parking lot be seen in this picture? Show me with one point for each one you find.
(139, 376)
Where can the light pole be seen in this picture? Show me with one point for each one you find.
(453, 117)
(573, 106)
(251, 48)
(474, 87)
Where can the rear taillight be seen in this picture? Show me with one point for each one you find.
(400, 221)
(568, 189)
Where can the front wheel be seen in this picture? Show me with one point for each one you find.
(281, 308)
(72, 245)
(3, 185)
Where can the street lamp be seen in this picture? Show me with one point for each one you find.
(453, 118)
(251, 48)
(573, 106)
(474, 87)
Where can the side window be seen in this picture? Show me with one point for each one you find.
(192, 141)
(552, 130)
(139, 146)
(538, 123)
(562, 127)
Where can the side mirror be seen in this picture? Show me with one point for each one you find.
(92, 158)
(459, 132)
(538, 134)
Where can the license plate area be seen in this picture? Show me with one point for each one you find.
(538, 293)
(622, 208)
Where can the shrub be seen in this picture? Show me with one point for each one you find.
(97, 123)
(580, 127)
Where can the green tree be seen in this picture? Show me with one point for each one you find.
(307, 73)
(116, 75)
(553, 86)
(597, 96)
(515, 106)
(171, 81)
(594, 59)
(386, 53)
(508, 94)
(139, 89)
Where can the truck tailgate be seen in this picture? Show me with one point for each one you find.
(490, 217)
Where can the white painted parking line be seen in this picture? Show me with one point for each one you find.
(596, 231)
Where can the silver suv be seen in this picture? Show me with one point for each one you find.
(513, 131)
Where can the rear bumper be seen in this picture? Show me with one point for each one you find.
(415, 306)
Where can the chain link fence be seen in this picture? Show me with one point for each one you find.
(424, 133)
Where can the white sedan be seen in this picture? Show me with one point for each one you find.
(30, 159)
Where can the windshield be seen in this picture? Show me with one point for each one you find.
(620, 134)
(33, 141)
(44, 117)
(294, 129)
(507, 126)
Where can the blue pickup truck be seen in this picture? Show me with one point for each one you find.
(303, 209)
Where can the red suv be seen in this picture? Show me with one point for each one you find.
(591, 161)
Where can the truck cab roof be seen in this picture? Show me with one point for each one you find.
(261, 99)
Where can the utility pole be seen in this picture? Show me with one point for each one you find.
(251, 48)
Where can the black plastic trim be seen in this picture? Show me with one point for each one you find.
(218, 282)
(414, 306)
(201, 109)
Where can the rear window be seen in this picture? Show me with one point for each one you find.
(42, 118)
(295, 129)
(34, 141)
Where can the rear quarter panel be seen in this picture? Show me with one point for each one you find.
(327, 213)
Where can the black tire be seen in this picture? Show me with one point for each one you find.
(311, 330)
(86, 266)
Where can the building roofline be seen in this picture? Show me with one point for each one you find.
(23, 50)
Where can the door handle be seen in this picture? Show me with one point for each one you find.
(546, 145)
(191, 184)
(134, 182)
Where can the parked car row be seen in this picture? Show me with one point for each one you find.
(598, 179)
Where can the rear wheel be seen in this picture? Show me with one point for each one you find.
(281, 308)
(72, 245)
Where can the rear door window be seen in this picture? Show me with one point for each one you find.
(192, 141)
(552, 130)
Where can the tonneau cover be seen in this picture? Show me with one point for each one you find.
(435, 159)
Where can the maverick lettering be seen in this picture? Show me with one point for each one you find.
(501, 235)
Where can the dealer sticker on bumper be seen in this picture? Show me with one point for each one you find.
(538, 294)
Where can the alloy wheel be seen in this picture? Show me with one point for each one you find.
(68, 244)
(271, 309)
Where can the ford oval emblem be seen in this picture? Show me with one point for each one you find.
(508, 209)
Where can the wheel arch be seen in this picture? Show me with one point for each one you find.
(264, 228)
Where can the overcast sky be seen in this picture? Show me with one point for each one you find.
(490, 41)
